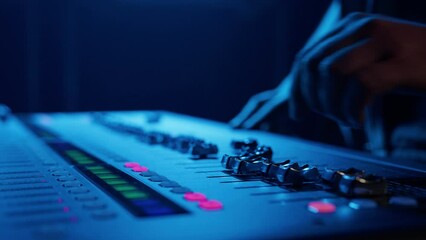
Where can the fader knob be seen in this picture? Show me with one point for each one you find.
(248, 167)
(264, 151)
(290, 173)
(227, 161)
(333, 176)
(368, 185)
(203, 149)
(311, 174)
(247, 144)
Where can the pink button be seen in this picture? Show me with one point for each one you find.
(131, 164)
(210, 205)
(139, 169)
(321, 207)
(195, 196)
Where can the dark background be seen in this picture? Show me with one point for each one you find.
(199, 57)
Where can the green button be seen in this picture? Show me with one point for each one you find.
(100, 171)
(74, 153)
(123, 188)
(115, 181)
(134, 194)
(95, 168)
(81, 158)
(107, 176)
(85, 162)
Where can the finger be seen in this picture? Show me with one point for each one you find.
(357, 56)
(310, 75)
(341, 25)
(336, 98)
(354, 99)
(383, 76)
(298, 108)
(266, 109)
(254, 103)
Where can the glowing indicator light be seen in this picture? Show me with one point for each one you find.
(210, 205)
(134, 195)
(195, 196)
(83, 162)
(115, 181)
(100, 171)
(321, 207)
(122, 188)
(107, 176)
(131, 164)
(91, 168)
(66, 209)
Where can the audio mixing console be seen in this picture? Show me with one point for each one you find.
(160, 175)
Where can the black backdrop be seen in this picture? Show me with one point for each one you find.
(200, 57)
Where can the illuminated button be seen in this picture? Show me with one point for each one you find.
(134, 194)
(122, 188)
(403, 201)
(140, 169)
(321, 207)
(180, 190)
(362, 204)
(195, 196)
(115, 181)
(100, 171)
(107, 176)
(210, 205)
(95, 168)
(131, 164)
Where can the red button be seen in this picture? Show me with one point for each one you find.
(210, 205)
(131, 164)
(140, 169)
(321, 207)
(195, 196)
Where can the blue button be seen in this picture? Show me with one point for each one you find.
(362, 204)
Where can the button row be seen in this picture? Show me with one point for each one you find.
(325, 206)
(189, 195)
(88, 201)
(154, 177)
(203, 202)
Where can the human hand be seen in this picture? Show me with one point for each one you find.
(363, 56)
(262, 107)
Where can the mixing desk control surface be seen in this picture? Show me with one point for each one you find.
(159, 175)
